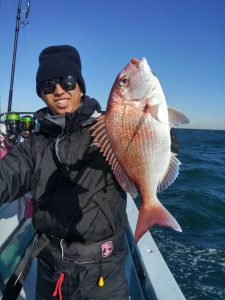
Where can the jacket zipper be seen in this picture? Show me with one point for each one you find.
(60, 137)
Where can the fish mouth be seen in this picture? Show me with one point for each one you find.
(135, 61)
(144, 64)
(140, 63)
(141, 88)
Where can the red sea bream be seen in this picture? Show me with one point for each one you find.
(134, 136)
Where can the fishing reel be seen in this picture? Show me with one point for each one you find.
(27, 126)
(18, 126)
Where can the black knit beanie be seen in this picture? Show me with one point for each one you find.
(59, 61)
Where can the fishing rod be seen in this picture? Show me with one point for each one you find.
(15, 124)
(17, 29)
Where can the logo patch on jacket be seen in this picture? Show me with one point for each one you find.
(107, 248)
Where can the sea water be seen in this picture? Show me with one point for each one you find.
(196, 257)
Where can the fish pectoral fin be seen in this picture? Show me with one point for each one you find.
(150, 215)
(176, 118)
(171, 174)
(100, 135)
(153, 109)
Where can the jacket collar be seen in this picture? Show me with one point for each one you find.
(68, 123)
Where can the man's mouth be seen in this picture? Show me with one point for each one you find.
(62, 102)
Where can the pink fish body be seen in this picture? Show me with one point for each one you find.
(134, 135)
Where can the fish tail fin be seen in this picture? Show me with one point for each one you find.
(150, 215)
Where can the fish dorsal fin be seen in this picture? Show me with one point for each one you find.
(176, 118)
(100, 135)
(171, 174)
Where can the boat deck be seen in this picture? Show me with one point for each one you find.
(147, 273)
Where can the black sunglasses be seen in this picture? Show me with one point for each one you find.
(67, 83)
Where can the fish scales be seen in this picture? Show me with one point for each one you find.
(133, 140)
(125, 141)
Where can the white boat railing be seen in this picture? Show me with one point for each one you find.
(156, 279)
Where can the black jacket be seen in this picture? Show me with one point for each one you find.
(75, 194)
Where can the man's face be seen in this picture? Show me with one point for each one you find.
(61, 101)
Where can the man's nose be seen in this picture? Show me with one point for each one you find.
(58, 89)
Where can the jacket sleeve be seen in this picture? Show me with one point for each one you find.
(16, 170)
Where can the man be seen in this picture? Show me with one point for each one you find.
(77, 203)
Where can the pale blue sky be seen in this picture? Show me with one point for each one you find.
(183, 41)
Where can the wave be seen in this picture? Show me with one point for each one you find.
(198, 270)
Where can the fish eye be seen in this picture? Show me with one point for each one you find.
(123, 81)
